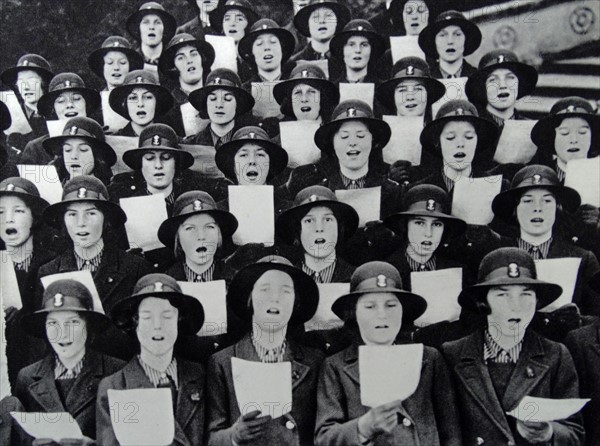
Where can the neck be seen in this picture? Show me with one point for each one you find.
(504, 114)
(356, 76)
(456, 174)
(561, 164)
(271, 336)
(152, 52)
(416, 256)
(69, 363)
(159, 363)
(511, 338)
(138, 128)
(270, 75)
(31, 106)
(197, 267)
(222, 129)
(536, 239)
(21, 252)
(355, 174)
(320, 47)
(89, 252)
(164, 192)
(188, 88)
(319, 263)
(451, 67)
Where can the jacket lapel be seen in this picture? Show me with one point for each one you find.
(351, 360)
(83, 392)
(109, 276)
(188, 395)
(43, 389)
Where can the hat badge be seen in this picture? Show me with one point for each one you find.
(156, 140)
(313, 198)
(381, 281)
(67, 84)
(217, 81)
(197, 205)
(25, 63)
(571, 109)
(139, 79)
(410, 70)
(360, 28)
(73, 130)
(351, 112)
(430, 205)
(252, 135)
(10, 187)
(514, 270)
(181, 39)
(537, 179)
(158, 287)
(448, 17)
(501, 58)
(304, 73)
(115, 44)
(58, 300)
(265, 26)
(459, 111)
(82, 192)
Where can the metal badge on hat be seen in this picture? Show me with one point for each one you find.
(158, 287)
(304, 73)
(514, 270)
(217, 81)
(313, 198)
(430, 205)
(360, 28)
(117, 43)
(197, 205)
(459, 111)
(537, 179)
(25, 63)
(156, 140)
(67, 84)
(10, 187)
(351, 112)
(58, 300)
(501, 58)
(139, 79)
(73, 130)
(82, 192)
(252, 135)
(381, 281)
(410, 70)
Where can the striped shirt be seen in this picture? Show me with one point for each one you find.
(61, 372)
(492, 352)
(447, 75)
(192, 276)
(89, 264)
(24, 264)
(537, 251)
(323, 276)
(449, 183)
(161, 378)
(218, 141)
(429, 265)
(358, 183)
(272, 355)
(559, 172)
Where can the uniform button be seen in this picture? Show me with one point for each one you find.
(109, 280)
(469, 244)
(290, 425)
(132, 187)
(406, 422)
(480, 440)
(510, 443)
(216, 345)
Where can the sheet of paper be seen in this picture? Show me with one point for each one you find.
(266, 106)
(440, 289)
(10, 296)
(515, 144)
(563, 272)
(367, 202)
(262, 386)
(204, 160)
(19, 122)
(377, 385)
(225, 52)
(192, 122)
(212, 296)
(120, 145)
(84, 277)
(298, 140)
(142, 416)
(362, 91)
(56, 127)
(532, 408)
(324, 318)
(473, 197)
(144, 217)
(405, 46)
(455, 89)
(46, 180)
(5, 389)
(54, 425)
(404, 143)
(111, 118)
(254, 227)
(584, 176)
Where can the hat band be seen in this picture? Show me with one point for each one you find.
(511, 271)
(195, 207)
(70, 86)
(574, 109)
(416, 72)
(374, 283)
(78, 131)
(315, 199)
(60, 302)
(219, 81)
(426, 205)
(86, 195)
(540, 182)
(152, 288)
(308, 76)
(158, 141)
(28, 64)
(12, 188)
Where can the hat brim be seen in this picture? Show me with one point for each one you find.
(543, 132)
(505, 203)
(169, 23)
(336, 46)
(244, 100)
(96, 59)
(453, 226)
(34, 203)
(227, 222)
(413, 305)
(9, 76)
(286, 40)
(329, 94)
(54, 214)
(46, 102)
(118, 98)
(191, 312)
(546, 293)
(224, 158)
(472, 36)
(35, 323)
(301, 19)
(133, 158)
(476, 88)
(380, 130)
(288, 222)
(216, 16)
(100, 149)
(386, 92)
(166, 62)
(241, 286)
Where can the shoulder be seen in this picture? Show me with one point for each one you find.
(588, 335)
(26, 374)
(51, 266)
(309, 356)
(111, 364)
(452, 349)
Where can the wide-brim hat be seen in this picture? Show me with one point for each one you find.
(28, 62)
(358, 27)
(379, 277)
(88, 189)
(244, 6)
(25, 190)
(450, 18)
(308, 198)
(166, 63)
(533, 177)
(267, 26)
(353, 110)
(427, 200)
(160, 286)
(5, 118)
(543, 132)
(278, 157)
(88, 130)
(303, 16)
(140, 79)
(193, 203)
(459, 110)
(65, 295)
(240, 289)
(476, 84)
(158, 137)
(505, 267)
(222, 79)
(114, 43)
(134, 20)
(409, 69)
(63, 83)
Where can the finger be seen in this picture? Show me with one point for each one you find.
(258, 421)
(251, 415)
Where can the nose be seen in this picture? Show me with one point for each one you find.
(9, 216)
(81, 220)
(157, 322)
(158, 164)
(381, 313)
(428, 230)
(319, 225)
(252, 159)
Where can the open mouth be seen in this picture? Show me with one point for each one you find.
(201, 250)
(322, 29)
(514, 320)
(74, 166)
(252, 175)
(357, 58)
(353, 153)
(65, 344)
(573, 149)
(151, 35)
(273, 311)
(450, 51)
(460, 155)
(11, 231)
(158, 175)
(320, 241)
(82, 234)
(414, 25)
(191, 69)
(141, 114)
(537, 220)
(117, 75)
(158, 338)
(410, 106)
(503, 95)
(268, 57)
(427, 243)
(71, 114)
(305, 109)
(381, 327)
(232, 31)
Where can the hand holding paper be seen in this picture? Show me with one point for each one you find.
(545, 409)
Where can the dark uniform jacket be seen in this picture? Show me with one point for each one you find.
(467, 69)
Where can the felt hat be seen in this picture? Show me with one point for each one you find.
(450, 18)
(114, 43)
(244, 6)
(28, 62)
(134, 20)
(358, 27)
(302, 18)
(266, 26)
(166, 63)
(25, 190)
(67, 83)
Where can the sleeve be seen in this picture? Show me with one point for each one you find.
(219, 431)
(444, 403)
(105, 434)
